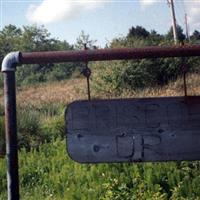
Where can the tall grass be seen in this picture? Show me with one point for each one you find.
(39, 125)
(46, 172)
(2, 137)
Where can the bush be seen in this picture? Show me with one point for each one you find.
(33, 74)
(107, 77)
(29, 128)
(113, 77)
(39, 125)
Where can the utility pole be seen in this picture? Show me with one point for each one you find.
(171, 5)
(187, 28)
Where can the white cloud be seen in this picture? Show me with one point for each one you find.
(147, 2)
(51, 11)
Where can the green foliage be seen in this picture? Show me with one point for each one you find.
(196, 35)
(84, 39)
(138, 31)
(61, 71)
(34, 74)
(136, 74)
(106, 77)
(48, 173)
(54, 128)
(49, 110)
(180, 35)
(113, 77)
(29, 128)
(34, 38)
(39, 125)
(2, 137)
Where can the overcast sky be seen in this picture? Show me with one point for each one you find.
(101, 19)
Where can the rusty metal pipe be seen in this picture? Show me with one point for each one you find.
(109, 54)
(8, 68)
(11, 135)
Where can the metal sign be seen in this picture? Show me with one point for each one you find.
(133, 130)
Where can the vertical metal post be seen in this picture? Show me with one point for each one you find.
(9, 65)
(174, 25)
(11, 135)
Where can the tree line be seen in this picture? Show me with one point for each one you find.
(135, 74)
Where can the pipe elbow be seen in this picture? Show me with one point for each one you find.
(10, 61)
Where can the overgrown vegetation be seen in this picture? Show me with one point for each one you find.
(137, 73)
(46, 172)
(33, 38)
(37, 126)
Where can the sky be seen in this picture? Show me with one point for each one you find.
(103, 20)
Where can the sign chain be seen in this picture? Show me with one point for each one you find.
(184, 71)
(87, 72)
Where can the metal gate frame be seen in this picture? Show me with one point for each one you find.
(14, 59)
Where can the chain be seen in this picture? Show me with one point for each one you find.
(87, 72)
(184, 70)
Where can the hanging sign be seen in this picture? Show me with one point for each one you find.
(134, 130)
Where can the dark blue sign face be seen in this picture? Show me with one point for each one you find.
(134, 130)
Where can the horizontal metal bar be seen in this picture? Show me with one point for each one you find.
(109, 54)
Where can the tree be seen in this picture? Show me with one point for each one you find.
(195, 35)
(155, 38)
(84, 39)
(34, 38)
(10, 38)
(180, 35)
(11, 31)
(138, 32)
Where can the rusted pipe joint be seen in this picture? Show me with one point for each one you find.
(10, 61)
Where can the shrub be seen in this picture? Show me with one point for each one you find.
(34, 74)
(113, 77)
(29, 128)
(38, 125)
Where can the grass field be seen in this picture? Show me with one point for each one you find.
(64, 92)
(46, 172)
